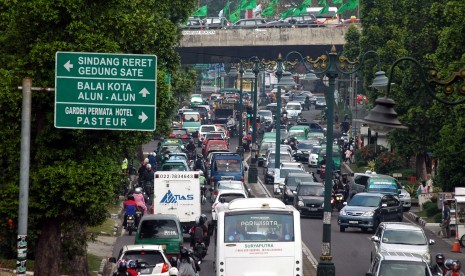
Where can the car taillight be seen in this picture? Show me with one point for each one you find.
(165, 268)
(215, 192)
(184, 136)
(172, 135)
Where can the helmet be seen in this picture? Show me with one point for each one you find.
(122, 265)
(440, 258)
(146, 160)
(184, 252)
(148, 166)
(197, 220)
(203, 218)
(138, 190)
(191, 140)
(201, 172)
(455, 265)
(132, 264)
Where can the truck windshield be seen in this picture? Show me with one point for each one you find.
(191, 117)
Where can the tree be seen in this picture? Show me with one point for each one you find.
(73, 172)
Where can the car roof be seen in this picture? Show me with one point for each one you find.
(318, 184)
(230, 181)
(400, 256)
(160, 216)
(302, 174)
(370, 194)
(131, 247)
(227, 191)
(401, 226)
(175, 161)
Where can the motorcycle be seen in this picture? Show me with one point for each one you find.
(191, 155)
(131, 224)
(338, 196)
(200, 251)
(203, 194)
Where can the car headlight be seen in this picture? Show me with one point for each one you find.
(368, 214)
(427, 257)
(323, 205)
(301, 203)
(342, 212)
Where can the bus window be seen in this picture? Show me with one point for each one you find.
(259, 227)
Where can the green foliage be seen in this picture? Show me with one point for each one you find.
(388, 162)
(430, 208)
(74, 172)
(352, 46)
(438, 217)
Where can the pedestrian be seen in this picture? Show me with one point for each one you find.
(348, 154)
(429, 183)
(124, 166)
(445, 225)
(336, 118)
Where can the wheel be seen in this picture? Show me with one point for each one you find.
(342, 228)
(462, 241)
(364, 230)
(130, 231)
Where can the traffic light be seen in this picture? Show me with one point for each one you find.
(249, 111)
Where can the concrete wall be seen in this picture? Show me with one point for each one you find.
(263, 37)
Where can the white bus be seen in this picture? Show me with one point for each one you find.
(258, 236)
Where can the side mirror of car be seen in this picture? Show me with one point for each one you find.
(375, 238)
(344, 203)
(431, 242)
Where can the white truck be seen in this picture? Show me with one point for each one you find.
(178, 193)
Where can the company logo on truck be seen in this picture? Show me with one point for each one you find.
(169, 197)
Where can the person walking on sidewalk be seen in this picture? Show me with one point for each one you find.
(445, 226)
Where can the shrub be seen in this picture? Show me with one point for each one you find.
(438, 217)
(368, 152)
(431, 209)
(388, 162)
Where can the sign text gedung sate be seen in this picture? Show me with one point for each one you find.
(105, 91)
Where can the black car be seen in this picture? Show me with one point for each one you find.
(314, 127)
(303, 151)
(269, 172)
(309, 199)
(292, 181)
(250, 23)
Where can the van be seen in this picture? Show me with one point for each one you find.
(329, 17)
(162, 229)
(226, 166)
(191, 121)
(382, 184)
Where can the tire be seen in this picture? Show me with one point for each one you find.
(462, 241)
(342, 229)
(130, 231)
(364, 230)
(407, 209)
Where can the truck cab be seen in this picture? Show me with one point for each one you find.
(191, 121)
(226, 166)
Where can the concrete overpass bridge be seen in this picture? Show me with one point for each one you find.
(224, 46)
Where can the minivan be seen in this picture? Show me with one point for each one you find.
(162, 229)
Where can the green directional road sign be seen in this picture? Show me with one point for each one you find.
(105, 91)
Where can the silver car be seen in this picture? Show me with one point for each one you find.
(401, 237)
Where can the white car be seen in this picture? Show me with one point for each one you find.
(265, 115)
(313, 156)
(151, 260)
(223, 198)
(294, 109)
(231, 185)
(204, 129)
(401, 237)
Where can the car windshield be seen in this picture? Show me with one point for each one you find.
(365, 201)
(229, 197)
(158, 228)
(173, 167)
(266, 113)
(316, 150)
(178, 157)
(382, 188)
(191, 117)
(214, 136)
(403, 268)
(284, 157)
(230, 185)
(284, 172)
(294, 180)
(227, 165)
(293, 107)
(173, 148)
(304, 146)
(150, 257)
(179, 131)
(207, 128)
(297, 133)
(266, 146)
(311, 191)
(411, 237)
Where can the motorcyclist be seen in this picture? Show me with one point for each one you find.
(130, 208)
(200, 163)
(439, 268)
(148, 178)
(345, 183)
(152, 159)
(454, 268)
(140, 200)
(132, 268)
(199, 232)
(191, 146)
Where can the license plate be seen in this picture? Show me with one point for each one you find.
(313, 209)
(353, 222)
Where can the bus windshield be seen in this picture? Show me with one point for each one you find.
(259, 227)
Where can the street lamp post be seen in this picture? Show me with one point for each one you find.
(233, 73)
(253, 170)
(331, 65)
(383, 117)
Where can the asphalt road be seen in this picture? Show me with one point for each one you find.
(350, 250)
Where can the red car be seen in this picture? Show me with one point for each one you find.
(214, 145)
